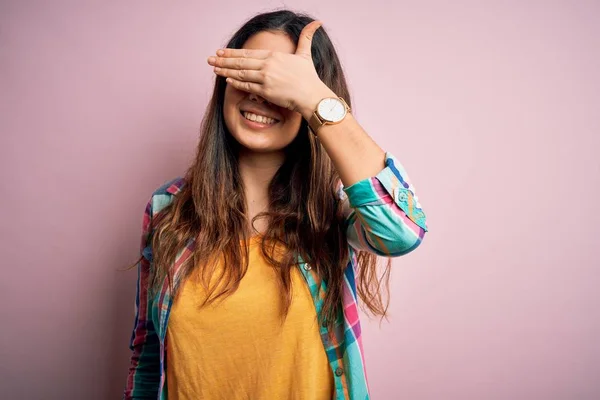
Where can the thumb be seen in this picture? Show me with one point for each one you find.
(305, 40)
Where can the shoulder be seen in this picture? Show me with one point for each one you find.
(165, 193)
(170, 187)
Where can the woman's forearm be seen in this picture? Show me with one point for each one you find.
(355, 155)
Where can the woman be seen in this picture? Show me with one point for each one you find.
(251, 263)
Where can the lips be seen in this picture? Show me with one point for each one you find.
(259, 118)
(261, 111)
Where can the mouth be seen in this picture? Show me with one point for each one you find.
(258, 121)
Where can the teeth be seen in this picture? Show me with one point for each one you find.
(259, 118)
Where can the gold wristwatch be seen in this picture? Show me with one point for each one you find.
(330, 111)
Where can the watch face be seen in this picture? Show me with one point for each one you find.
(331, 109)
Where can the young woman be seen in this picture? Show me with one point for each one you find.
(253, 263)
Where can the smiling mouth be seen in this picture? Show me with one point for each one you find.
(260, 119)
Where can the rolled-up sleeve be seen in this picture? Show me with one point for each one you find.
(383, 213)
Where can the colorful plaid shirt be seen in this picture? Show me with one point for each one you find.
(384, 217)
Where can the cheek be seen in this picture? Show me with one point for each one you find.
(230, 101)
(291, 126)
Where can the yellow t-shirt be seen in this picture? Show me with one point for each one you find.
(238, 348)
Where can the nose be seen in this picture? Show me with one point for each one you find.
(258, 99)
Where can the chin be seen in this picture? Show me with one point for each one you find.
(261, 140)
(256, 143)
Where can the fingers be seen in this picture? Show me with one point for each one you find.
(305, 40)
(245, 86)
(244, 53)
(241, 69)
(246, 75)
(236, 62)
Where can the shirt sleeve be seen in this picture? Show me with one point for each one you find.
(143, 379)
(383, 213)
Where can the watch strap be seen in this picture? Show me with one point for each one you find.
(315, 123)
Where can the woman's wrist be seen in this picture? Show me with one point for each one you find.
(309, 105)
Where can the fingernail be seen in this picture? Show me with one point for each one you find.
(220, 52)
(211, 59)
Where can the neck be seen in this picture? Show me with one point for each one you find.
(256, 171)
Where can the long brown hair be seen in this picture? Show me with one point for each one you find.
(304, 213)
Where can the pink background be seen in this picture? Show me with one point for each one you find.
(493, 107)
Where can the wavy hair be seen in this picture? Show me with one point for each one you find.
(305, 213)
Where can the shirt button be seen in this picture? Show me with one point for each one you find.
(339, 371)
(307, 267)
